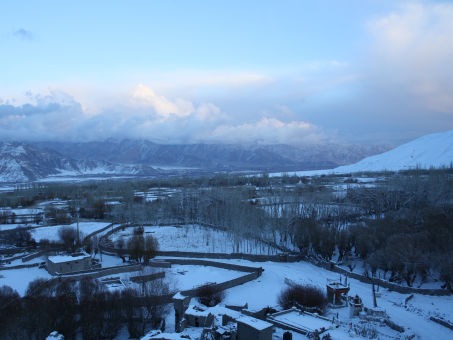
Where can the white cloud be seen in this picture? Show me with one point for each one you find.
(57, 116)
(270, 130)
(413, 51)
(145, 96)
(45, 117)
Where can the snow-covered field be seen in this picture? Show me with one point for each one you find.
(15, 225)
(264, 291)
(195, 238)
(51, 233)
(414, 317)
(19, 279)
(182, 277)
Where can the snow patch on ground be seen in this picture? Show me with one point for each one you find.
(51, 233)
(195, 238)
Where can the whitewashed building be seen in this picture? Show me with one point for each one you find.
(64, 264)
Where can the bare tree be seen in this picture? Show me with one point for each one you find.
(69, 238)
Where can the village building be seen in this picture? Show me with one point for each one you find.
(65, 264)
(250, 328)
(302, 322)
(335, 292)
(355, 306)
(20, 215)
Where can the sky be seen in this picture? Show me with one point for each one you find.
(295, 72)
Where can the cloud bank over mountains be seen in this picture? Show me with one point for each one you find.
(144, 115)
(383, 76)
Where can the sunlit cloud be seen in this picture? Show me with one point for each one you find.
(413, 51)
(150, 115)
(146, 97)
(271, 131)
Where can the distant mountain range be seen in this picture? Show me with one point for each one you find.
(28, 162)
(21, 162)
(429, 151)
(215, 156)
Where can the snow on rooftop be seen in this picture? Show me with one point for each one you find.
(301, 320)
(197, 311)
(179, 296)
(67, 258)
(253, 322)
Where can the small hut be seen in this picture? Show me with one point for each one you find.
(335, 292)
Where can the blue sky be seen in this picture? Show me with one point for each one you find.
(368, 71)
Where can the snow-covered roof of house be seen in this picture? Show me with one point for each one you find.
(337, 286)
(303, 320)
(253, 322)
(179, 296)
(197, 311)
(167, 336)
(67, 258)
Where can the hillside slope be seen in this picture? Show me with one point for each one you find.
(21, 162)
(429, 151)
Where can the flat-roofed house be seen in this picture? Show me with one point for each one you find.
(250, 328)
(64, 264)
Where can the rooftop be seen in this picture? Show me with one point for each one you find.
(253, 322)
(302, 320)
(67, 258)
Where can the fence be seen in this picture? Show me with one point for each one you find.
(279, 258)
(27, 258)
(20, 266)
(442, 322)
(99, 231)
(148, 277)
(103, 272)
(284, 257)
(252, 274)
(389, 285)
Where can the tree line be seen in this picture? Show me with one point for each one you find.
(401, 226)
(81, 308)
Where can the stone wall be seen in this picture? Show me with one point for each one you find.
(382, 283)
(103, 272)
(147, 277)
(20, 266)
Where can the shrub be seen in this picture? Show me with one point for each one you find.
(303, 295)
(209, 296)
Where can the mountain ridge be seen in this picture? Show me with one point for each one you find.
(215, 156)
(434, 150)
(23, 162)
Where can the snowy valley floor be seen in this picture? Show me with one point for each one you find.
(264, 291)
(414, 317)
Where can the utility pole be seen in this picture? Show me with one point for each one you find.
(374, 294)
(78, 215)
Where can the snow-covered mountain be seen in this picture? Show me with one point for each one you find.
(21, 162)
(215, 157)
(429, 151)
(40, 160)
